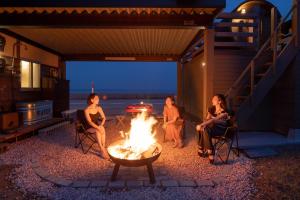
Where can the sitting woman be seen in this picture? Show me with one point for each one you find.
(215, 124)
(171, 125)
(96, 119)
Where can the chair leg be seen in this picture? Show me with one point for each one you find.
(237, 143)
(229, 150)
(76, 140)
(88, 149)
(217, 147)
(81, 139)
(94, 141)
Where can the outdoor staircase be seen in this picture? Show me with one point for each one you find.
(262, 73)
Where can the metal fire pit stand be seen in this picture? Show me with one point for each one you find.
(149, 169)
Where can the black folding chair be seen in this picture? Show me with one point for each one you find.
(227, 139)
(82, 133)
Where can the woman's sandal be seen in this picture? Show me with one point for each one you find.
(202, 153)
(211, 158)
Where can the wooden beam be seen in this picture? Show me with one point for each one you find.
(296, 22)
(209, 39)
(194, 41)
(95, 20)
(117, 3)
(235, 34)
(62, 69)
(234, 44)
(236, 16)
(180, 86)
(235, 24)
(126, 58)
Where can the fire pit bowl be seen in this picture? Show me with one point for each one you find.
(146, 159)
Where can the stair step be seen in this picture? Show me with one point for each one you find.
(248, 86)
(242, 97)
(268, 64)
(260, 74)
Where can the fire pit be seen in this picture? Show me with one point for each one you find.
(138, 148)
(147, 158)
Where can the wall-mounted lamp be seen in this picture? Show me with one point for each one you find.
(203, 64)
(243, 11)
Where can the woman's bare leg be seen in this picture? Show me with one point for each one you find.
(103, 137)
(99, 139)
(99, 136)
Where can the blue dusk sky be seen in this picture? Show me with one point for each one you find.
(136, 76)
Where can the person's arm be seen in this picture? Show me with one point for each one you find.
(213, 120)
(89, 120)
(102, 115)
(175, 117)
(208, 116)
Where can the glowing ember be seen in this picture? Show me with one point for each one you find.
(138, 140)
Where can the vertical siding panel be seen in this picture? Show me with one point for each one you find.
(193, 87)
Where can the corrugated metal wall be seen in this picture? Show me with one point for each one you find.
(120, 42)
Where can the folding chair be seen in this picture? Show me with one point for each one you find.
(82, 133)
(229, 136)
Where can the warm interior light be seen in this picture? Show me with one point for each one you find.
(243, 11)
(203, 64)
(25, 74)
(36, 72)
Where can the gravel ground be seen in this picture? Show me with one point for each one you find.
(56, 153)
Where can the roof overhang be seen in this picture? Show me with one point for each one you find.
(39, 23)
(109, 13)
(116, 3)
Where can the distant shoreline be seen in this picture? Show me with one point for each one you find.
(83, 95)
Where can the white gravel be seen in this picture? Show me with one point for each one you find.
(57, 155)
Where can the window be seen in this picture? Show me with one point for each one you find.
(30, 75)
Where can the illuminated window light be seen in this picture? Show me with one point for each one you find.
(243, 11)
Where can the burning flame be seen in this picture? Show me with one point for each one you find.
(138, 140)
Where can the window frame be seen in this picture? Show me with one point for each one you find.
(31, 63)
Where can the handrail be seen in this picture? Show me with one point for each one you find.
(250, 64)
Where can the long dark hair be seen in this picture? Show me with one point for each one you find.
(223, 103)
(90, 97)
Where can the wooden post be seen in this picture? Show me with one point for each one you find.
(62, 69)
(296, 22)
(257, 31)
(180, 82)
(274, 35)
(208, 75)
(252, 69)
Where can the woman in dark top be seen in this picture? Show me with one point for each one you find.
(96, 119)
(215, 124)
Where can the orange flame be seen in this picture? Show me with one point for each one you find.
(139, 139)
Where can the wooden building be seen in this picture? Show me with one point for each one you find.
(250, 58)
(242, 54)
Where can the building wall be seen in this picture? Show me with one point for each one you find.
(286, 98)
(229, 64)
(193, 87)
(30, 53)
(53, 87)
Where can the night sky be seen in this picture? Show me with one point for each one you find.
(136, 76)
